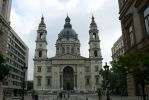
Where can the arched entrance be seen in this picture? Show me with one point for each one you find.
(68, 78)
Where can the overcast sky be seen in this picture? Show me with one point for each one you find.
(26, 16)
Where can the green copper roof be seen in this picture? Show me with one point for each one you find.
(67, 32)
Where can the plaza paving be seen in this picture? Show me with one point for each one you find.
(84, 97)
(79, 97)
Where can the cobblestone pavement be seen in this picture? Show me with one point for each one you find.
(87, 97)
(79, 97)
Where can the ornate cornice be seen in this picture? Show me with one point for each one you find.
(125, 7)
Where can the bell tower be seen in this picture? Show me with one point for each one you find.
(41, 42)
(94, 42)
(94, 54)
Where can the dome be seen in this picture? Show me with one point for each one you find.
(67, 32)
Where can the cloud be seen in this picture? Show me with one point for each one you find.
(94, 5)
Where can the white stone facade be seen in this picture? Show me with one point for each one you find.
(117, 49)
(67, 70)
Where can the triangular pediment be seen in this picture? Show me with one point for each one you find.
(68, 56)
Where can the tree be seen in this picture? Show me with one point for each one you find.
(29, 85)
(137, 64)
(117, 81)
(4, 71)
(99, 93)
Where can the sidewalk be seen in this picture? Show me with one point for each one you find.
(19, 98)
(76, 97)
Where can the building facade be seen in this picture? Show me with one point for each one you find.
(134, 17)
(16, 58)
(117, 49)
(14, 50)
(67, 70)
(5, 7)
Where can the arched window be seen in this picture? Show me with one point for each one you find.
(41, 36)
(95, 53)
(68, 50)
(94, 35)
(87, 80)
(39, 80)
(40, 53)
(72, 50)
(39, 69)
(63, 50)
(97, 79)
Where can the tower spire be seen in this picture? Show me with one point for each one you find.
(67, 13)
(94, 51)
(67, 22)
(93, 23)
(42, 16)
(42, 21)
(41, 51)
(92, 17)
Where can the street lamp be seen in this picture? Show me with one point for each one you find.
(86, 95)
(106, 67)
(24, 68)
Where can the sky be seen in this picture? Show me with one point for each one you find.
(26, 16)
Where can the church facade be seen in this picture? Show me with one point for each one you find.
(67, 70)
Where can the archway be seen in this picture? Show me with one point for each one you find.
(68, 78)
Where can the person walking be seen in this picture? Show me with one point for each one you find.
(36, 97)
(61, 95)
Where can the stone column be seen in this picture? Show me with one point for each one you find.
(61, 81)
(74, 82)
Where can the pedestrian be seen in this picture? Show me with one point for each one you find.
(60, 95)
(3, 98)
(68, 94)
(76, 97)
(99, 93)
(36, 97)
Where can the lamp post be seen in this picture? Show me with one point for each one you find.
(42, 92)
(106, 67)
(24, 68)
(86, 95)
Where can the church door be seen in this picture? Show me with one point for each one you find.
(68, 78)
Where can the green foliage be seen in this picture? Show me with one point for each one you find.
(4, 70)
(99, 92)
(103, 74)
(29, 85)
(135, 63)
(117, 81)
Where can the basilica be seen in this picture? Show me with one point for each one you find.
(67, 70)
